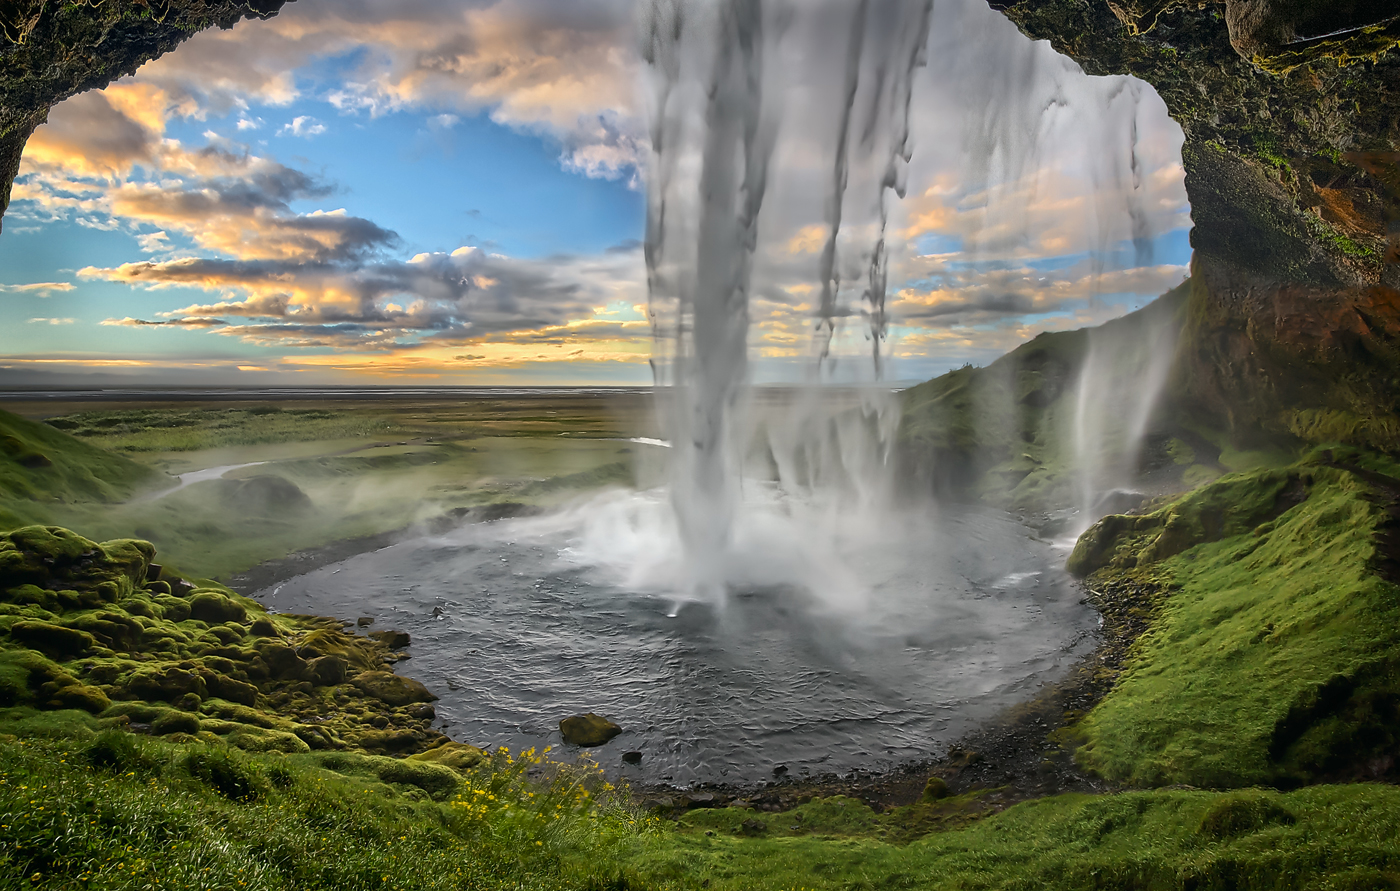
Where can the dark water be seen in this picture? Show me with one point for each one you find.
(959, 614)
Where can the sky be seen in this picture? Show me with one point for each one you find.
(453, 192)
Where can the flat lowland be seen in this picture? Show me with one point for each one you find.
(265, 478)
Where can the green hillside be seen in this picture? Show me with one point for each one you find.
(39, 463)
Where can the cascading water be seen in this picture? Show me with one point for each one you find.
(720, 82)
(772, 606)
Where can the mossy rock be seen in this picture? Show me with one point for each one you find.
(175, 722)
(458, 756)
(165, 684)
(259, 740)
(588, 730)
(326, 671)
(22, 673)
(216, 608)
(81, 696)
(172, 608)
(438, 780)
(242, 714)
(53, 640)
(232, 689)
(392, 689)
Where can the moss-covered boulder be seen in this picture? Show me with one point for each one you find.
(52, 640)
(216, 606)
(588, 730)
(391, 688)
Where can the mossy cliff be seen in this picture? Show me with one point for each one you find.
(1270, 654)
(1291, 112)
(53, 49)
(102, 629)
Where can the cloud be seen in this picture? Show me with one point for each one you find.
(443, 122)
(466, 296)
(52, 321)
(43, 289)
(304, 126)
(561, 68)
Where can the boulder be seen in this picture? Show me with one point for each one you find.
(588, 730)
(326, 671)
(166, 684)
(82, 696)
(215, 608)
(231, 689)
(394, 640)
(391, 689)
(458, 756)
(52, 640)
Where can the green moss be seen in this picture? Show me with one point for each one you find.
(1273, 657)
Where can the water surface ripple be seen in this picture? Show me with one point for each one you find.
(965, 613)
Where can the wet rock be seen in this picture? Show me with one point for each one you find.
(780, 770)
(153, 572)
(394, 640)
(364, 621)
(588, 730)
(632, 757)
(390, 688)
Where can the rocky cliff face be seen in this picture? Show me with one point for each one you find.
(50, 50)
(1291, 111)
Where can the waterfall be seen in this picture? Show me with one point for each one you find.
(720, 76)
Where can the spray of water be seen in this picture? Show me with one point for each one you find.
(717, 102)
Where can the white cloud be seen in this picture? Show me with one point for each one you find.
(43, 289)
(304, 126)
(52, 321)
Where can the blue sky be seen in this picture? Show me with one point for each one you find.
(454, 193)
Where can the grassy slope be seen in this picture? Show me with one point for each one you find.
(1275, 653)
(1322, 837)
(39, 463)
(109, 811)
(1003, 432)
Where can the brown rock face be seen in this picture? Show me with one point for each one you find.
(1291, 111)
(50, 51)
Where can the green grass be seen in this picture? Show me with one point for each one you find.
(82, 808)
(110, 811)
(1323, 837)
(185, 430)
(364, 469)
(1275, 657)
(38, 463)
(1004, 433)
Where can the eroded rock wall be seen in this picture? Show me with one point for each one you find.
(1291, 112)
(53, 49)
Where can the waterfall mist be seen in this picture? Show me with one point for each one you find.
(724, 80)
